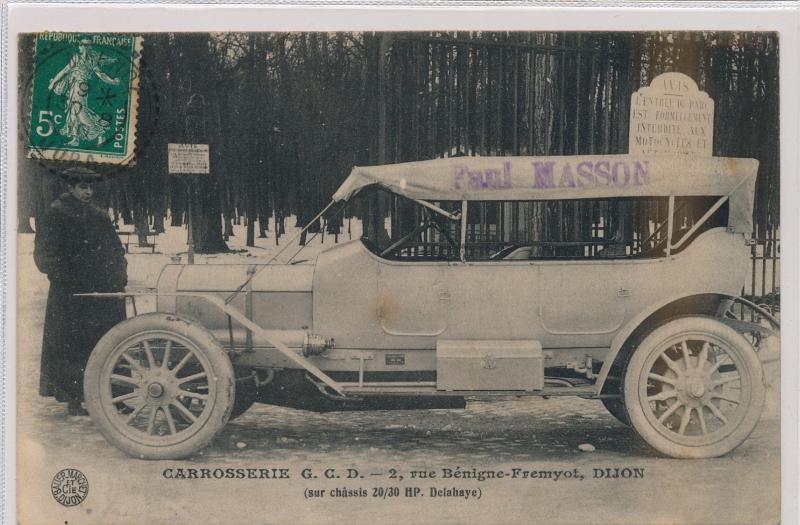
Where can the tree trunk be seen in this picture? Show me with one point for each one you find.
(201, 127)
(177, 204)
(280, 225)
(32, 199)
(229, 221)
(158, 214)
(251, 231)
(206, 223)
(140, 226)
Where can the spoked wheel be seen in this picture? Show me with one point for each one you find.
(159, 387)
(694, 388)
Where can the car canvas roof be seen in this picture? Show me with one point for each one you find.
(566, 177)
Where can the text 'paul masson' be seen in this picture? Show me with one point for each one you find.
(552, 174)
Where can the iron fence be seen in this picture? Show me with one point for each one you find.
(448, 94)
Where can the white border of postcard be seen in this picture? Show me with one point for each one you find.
(781, 17)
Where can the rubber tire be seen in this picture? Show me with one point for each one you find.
(616, 407)
(221, 369)
(736, 343)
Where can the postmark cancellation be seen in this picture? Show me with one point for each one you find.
(84, 97)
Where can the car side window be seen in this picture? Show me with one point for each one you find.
(582, 229)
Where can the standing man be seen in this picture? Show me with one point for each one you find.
(79, 250)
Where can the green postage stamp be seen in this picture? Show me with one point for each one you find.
(84, 97)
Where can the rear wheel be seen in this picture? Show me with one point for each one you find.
(159, 387)
(694, 388)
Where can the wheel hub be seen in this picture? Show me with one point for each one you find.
(693, 388)
(697, 389)
(155, 390)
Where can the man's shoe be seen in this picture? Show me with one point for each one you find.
(74, 408)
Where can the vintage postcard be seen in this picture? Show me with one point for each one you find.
(429, 274)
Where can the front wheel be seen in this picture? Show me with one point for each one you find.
(694, 388)
(159, 387)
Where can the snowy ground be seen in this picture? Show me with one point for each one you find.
(532, 434)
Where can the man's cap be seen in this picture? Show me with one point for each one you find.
(80, 174)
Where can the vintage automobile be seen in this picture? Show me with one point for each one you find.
(606, 277)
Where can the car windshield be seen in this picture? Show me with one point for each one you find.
(395, 227)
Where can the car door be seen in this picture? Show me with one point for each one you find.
(582, 298)
(493, 300)
(413, 297)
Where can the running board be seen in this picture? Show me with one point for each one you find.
(270, 336)
(429, 389)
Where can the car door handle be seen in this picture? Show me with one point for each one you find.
(623, 292)
(444, 295)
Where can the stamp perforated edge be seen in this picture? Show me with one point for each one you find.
(128, 160)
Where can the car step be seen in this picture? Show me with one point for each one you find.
(429, 388)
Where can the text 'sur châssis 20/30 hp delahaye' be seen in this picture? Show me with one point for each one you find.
(457, 289)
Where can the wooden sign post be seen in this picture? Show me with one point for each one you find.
(188, 159)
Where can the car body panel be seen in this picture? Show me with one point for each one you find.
(512, 299)
(367, 303)
(281, 297)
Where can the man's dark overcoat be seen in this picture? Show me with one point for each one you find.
(79, 250)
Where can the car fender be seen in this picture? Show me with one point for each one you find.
(628, 328)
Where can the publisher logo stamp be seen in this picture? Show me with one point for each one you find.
(70, 487)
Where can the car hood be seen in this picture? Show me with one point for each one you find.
(228, 277)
